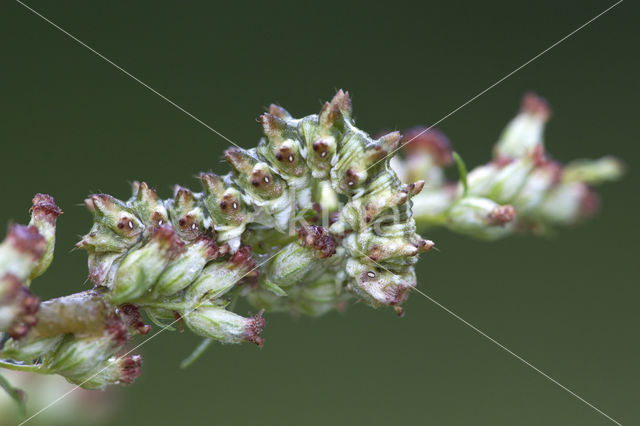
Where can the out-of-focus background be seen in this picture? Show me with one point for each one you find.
(72, 124)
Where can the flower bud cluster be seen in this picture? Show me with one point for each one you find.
(159, 256)
(83, 352)
(171, 256)
(522, 188)
(26, 253)
(175, 256)
(311, 217)
(162, 255)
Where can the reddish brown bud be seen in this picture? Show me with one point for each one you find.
(433, 141)
(242, 258)
(21, 302)
(501, 215)
(536, 105)
(27, 239)
(165, 235)
(254, 329)
(132, 317)
(44, 208)
(116, 327)
(212, 251)
(130, 368)
(318, 238)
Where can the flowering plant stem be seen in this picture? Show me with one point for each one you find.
(16, 394)
(317, 214)
(22, 367)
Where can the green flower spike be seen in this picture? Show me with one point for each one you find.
(318, 214)
(521, 178)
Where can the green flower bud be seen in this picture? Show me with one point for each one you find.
(186, 266)
(18, 307)
(44, 215)
(21, 251)
(318, 297)
(101, 240)
(524, 133)
(113, 371)
(428, 151)
(76, 358)
(536, 187)
(29, 350)
(481, 218)
(509, 180)
(103, 267)
(141, 268)
(481, 180)
(567, 203)
(269, 300)
(80, 313)
(218, 278)
(296, 260)
(79, 357)
(431, 205)
(313, 298)
(224, 326)
(593, 171)
(21, 254)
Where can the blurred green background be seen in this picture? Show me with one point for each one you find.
(73, 124)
